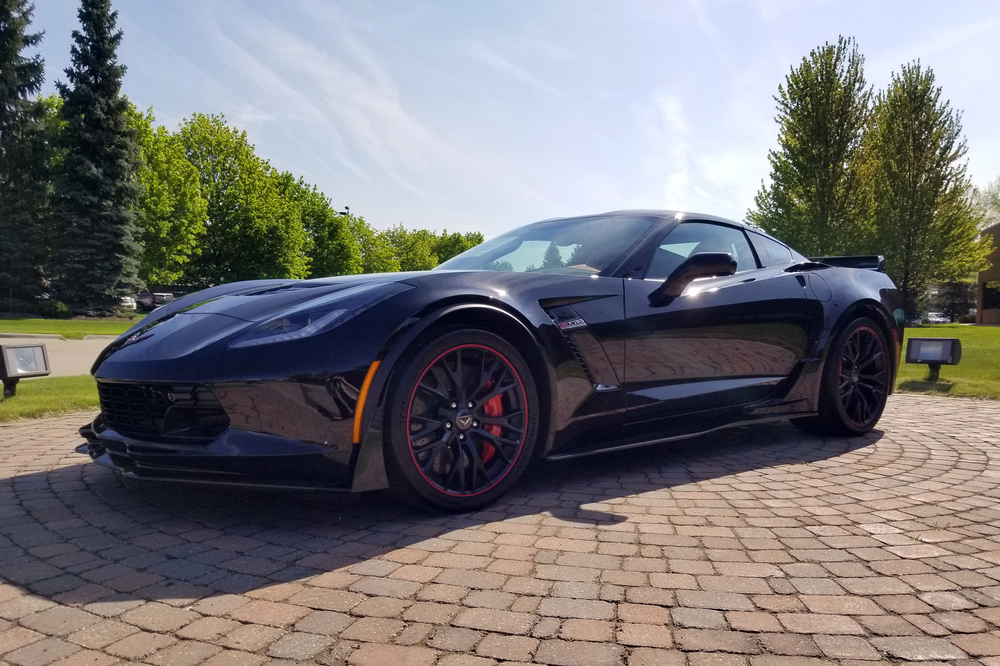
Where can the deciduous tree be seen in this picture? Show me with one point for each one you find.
(173, 210)
(252, 231)
(377, 255)
(815, 198)
(925, 220)
(333, 250)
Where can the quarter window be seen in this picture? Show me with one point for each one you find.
(692, 237)
(770, 252)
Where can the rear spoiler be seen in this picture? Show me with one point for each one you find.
(873, 262)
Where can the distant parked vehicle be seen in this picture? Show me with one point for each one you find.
(147, 302)
(128, 303)
(936, 318)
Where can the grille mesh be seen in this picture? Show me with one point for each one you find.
(139, 411)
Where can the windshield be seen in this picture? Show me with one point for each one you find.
(585, 245)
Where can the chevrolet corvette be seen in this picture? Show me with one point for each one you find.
(563, 338)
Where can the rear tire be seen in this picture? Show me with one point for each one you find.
(462, 422)
(854, 387)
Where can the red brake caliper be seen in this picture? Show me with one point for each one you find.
(492, 409)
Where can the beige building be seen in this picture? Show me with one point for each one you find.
(988, 298)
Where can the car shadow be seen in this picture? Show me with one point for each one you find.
(77, 534)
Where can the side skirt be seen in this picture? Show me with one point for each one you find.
(674, 438)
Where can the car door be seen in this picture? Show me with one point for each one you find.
(725, 341)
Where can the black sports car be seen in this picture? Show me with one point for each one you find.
(564, 338)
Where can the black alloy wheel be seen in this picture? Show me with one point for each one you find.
(463, 423)
(862, 377)
(855, 383)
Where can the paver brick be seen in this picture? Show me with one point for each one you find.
(693, 618)
(648, 635)
(508, 648)
(184, 653)
(715, 640)
(486, 619)
(40, 653)
(159, 617)
(578, 653)
(372, 654)
(140, 645)
(918, 648)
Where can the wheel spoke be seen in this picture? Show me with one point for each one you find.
(416, 436)
(423, 386)
(499, 389)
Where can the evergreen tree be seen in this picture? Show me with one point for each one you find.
(97, 191)
(23, 181)
(552, 258)
(815, 199)
(927, 224)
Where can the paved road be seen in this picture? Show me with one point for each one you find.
(757, 546)
(67, 357)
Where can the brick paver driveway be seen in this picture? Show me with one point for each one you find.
(757, 545)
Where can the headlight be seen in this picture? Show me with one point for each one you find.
(321, 315)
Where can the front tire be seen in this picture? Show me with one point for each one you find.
(463, 421)
(855, 385)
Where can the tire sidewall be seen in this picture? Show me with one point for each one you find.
(832, 408)
(403, 469)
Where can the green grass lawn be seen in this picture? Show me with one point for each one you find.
(976, 375)
(48, 396)
(71, 329)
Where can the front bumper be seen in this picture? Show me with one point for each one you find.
(234, 458)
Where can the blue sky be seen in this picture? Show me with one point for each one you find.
(488, 115)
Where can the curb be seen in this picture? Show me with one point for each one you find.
(51, 336)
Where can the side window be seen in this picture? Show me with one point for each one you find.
(691, 237)
(771, 253)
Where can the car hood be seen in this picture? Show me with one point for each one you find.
(199, 320)
(257, 300)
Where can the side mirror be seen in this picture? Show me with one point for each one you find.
(700, 265)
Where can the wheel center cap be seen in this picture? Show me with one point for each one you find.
(855, 376)
(463, 419)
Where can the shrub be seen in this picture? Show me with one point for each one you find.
(53, 309)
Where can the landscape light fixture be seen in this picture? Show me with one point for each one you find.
(935, 352)
(19, 361)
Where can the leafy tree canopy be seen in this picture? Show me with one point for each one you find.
(252, 230)
(923, 211)
(815, 199)
(173, 210)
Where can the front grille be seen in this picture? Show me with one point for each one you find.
(162, 412)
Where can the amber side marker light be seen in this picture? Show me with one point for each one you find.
(359, 408)
(935, 352)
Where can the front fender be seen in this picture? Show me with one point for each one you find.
(369, 459)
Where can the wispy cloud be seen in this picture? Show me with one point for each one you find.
(498, 63)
